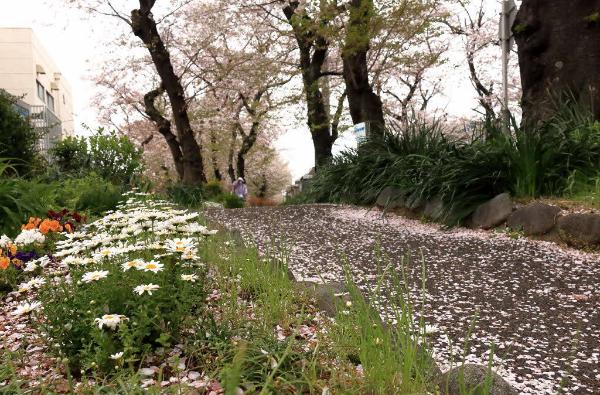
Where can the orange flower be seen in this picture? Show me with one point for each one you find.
(4, 262)
(32, 224)
(50, 225)
(17, 262)
(12, 248)
(68, 228)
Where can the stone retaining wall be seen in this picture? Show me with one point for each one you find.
(537, 220)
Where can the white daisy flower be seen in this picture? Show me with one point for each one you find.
(189, 255)
(180, 245)
(31, 284)
(94, 276)
(4, 241)
(30, 266)
(26, 308)
(152, 266)
(134, 264)
(37, 282)
(103, 253)
(110, 320)
(189, 277)
(116, 356)
(43, 261)
(31, 236)
(148, 288)
(24, 287)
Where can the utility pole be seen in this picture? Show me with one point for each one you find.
(325, 83)
(507, 19)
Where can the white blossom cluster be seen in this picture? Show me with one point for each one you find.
(29, 236)
(137, 225)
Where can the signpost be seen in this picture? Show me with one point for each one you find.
(361, 131)
(507, 19)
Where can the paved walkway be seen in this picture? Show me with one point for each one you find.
(536, 303)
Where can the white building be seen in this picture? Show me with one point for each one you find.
(28, 72)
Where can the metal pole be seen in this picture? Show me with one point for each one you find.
(505, 37)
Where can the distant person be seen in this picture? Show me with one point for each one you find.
(240, 189)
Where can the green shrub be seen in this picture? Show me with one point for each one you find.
(91, 193)
(212, 189)
(71, 155)
(230, 200)
(98, 198)
(544, 161)
(21, 199)
(18, 139)
(112, 157)
(419, 160)
(425, 164)
(186, 195)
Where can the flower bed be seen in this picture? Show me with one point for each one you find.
(148, 297)
(28, 251)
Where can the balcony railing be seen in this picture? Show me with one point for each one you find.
(48, 124)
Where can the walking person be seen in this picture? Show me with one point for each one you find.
(240, 189)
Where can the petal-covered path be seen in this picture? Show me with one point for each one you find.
(537, 304)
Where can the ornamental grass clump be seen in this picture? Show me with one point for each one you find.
(133, 284)
(558, 158)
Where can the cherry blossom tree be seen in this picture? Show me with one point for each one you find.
(231, 73)
(185, 147)
(477, 26)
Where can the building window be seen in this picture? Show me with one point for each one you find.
(41, 92)
(50, 101)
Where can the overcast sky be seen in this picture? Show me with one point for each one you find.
(75, 44)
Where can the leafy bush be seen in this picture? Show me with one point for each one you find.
(20, 199)
(112, 157)
(425, 164)
(97, 196)
(186, 195)
(231, 201)
(70, 155)
(91, 194)
(212, 190)
(18, 139)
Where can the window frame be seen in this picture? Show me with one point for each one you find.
(41, 91)
(49, 100)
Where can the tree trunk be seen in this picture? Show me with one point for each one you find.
(323, 144)
(248, 141)
(164, 128)
(241, 165)
(559, 53)
(365, 105)
(263, 187)
(318, 122)
(144, 27)
(230, 168)
(313, 47)
(214, 156)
